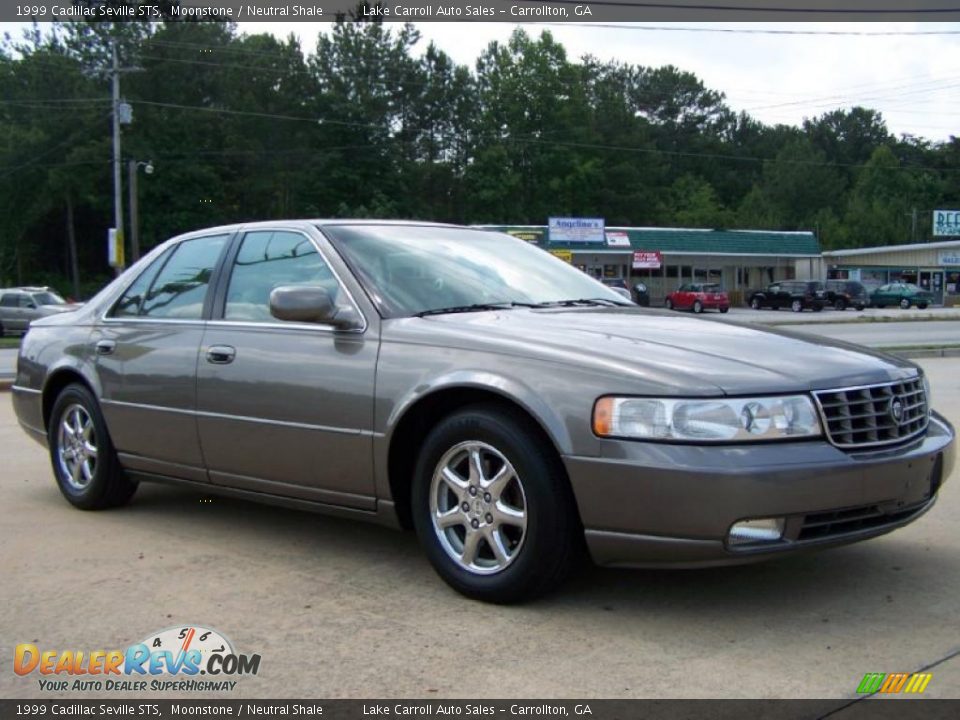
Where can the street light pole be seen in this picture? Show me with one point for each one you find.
(132, 167)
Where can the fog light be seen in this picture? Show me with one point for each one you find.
(748, 532)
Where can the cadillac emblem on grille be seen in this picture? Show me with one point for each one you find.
(896, 410)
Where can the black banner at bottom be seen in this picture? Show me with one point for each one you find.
(894, 709)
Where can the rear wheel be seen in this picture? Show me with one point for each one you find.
(904, 303)
(669, 304)
(922, 307)
(755, 303)
(698, 307)
(84, 461)
(492, 507)
(724, 309)
(796, 306)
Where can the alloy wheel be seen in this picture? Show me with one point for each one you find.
(478, 507)
(77, 447)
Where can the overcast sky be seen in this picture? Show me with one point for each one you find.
(913, 80)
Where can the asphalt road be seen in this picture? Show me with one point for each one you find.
(340, 609)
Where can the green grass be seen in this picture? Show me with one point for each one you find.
(9, 342)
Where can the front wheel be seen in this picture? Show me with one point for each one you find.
(840, 305)
(904, 303)
(698, 307)
(84, 461)
(724, 309)
(668, 304)
(922, 307)
(796, 306)
(755, 304)
(492, 506)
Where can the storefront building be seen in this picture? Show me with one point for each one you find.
(932, 266)
(665, 258)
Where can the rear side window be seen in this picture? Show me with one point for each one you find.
(175, 285)
(26, 301)
(9, 300)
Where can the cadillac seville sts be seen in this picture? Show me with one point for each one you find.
(513, 411)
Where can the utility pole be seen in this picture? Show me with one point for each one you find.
(117, 189)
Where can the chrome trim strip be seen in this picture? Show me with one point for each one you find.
(21, 388)
(242, 418)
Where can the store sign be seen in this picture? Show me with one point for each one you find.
(946, 223)
(643, 259)
(949, 258)
(618, 239)
(530, 235)
(565, 255)
(572, 230)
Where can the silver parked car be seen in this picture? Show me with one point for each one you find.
(508, 407)
(21, 305)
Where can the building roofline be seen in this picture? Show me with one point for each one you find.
(893, 248)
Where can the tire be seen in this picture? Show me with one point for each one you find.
(796, 306)
(904, 303)
(2, 331)
(755, 304)
(98, 481)
(817, 307)
(860, 308)
(724, 309)
(840, 305)
(698, 307)
(922, 307)
(668, 304)
(541, 542)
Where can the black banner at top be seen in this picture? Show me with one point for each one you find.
(514, 11)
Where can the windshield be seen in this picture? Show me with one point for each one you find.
(48, 298)
(408, 270)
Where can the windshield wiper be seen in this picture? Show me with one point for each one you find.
(602, 302)
(475, 307)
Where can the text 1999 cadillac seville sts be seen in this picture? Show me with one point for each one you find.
(508, 407)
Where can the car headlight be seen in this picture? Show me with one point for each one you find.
(715, 420)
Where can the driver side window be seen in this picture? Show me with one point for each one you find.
(267, 260)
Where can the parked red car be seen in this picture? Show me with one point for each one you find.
(698, 297)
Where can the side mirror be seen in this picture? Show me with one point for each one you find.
(311, 304)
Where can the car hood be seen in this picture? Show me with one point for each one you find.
(659, 351)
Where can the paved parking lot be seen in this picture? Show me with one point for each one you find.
(339, 609)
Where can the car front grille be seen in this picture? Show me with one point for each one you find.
(874, 415)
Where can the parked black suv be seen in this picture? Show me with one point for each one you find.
(847, 293)
(798, 295)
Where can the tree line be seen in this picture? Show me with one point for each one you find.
(369, 123)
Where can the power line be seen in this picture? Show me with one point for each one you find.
(558, 143)
(765, 9)
(753, 31)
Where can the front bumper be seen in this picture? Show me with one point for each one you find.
(645, 504)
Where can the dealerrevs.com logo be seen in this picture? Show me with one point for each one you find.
(182, 659)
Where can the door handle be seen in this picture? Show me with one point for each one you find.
(106, 347)
(221, 354)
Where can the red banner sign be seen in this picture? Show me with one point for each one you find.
(643, 259)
